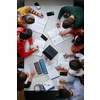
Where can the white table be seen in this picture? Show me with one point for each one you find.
(47, 6)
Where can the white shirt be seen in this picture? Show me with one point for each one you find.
(81, 56)
(76, 73)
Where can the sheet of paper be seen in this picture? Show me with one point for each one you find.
(62, 58)
(58, 39)
(52, 72)
(37, 27)
(67, 36)
(48, 84)
(53, 61)
(42, 20)
(63, 64)
(41, 45)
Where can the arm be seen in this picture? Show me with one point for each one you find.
(64, 33)
(71, 80)
(68, 55)
(30, 10)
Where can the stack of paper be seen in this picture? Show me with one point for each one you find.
(39, 24)
(48, 85)
(41, 45)
(56, 38)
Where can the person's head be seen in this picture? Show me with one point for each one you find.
(29, 19)
(75, 64)
(21, 77)
(25, 34)
(68, 22)
(64, 93)
(79, 39)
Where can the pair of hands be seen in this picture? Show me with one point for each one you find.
(34, 48)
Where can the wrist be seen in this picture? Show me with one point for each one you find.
(63, 68)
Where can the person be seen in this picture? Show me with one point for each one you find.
(75, 92)
(79, 55)
(24, 17)
(24, 34)
(75, 16)
(76, 68)
(78, 41)
(21, 77)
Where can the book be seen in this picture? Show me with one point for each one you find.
(52, 72)
(41, 45)
(56, 38)
(48, 85)
(39, 24)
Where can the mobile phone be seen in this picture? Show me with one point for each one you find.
(38, 68)
(37, 5)
(50, 13)
(44, 37)
(43, 66)
(63, 73)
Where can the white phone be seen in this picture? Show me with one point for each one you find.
(37, 5)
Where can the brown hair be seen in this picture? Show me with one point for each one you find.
(67, 22)
(28, 19)
(21, 77)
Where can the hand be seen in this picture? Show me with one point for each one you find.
(35, 48)
(59, 68)
(58, 23)
(41, 15)
(62, 33)
(66, 55)
(31, 47)
(60, 87)
(62, 81)
(32, 73)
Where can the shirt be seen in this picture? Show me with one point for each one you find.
(77, 88)
(81, 56)
(76, 11)
(21, 45)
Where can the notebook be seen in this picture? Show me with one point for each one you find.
(56, 38)
(48, 85)
(39, 24)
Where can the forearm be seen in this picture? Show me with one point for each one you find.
(30, 79)
(71, 54)
(65, 69)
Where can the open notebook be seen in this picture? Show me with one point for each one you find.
(39, 24)
(56, 38)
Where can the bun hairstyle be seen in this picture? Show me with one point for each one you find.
(28, 19)
(26, 33)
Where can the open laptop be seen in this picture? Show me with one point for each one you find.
(36, 66)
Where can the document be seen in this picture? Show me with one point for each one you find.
(48, 85)
(41, 45)
(63, 64)
(53, 61)
(39, 24)
(56, 38)
(62, 58)
(52, 72)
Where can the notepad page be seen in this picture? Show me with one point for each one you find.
(53, 61)
(63, 64)
(48, 84)
(67, 36)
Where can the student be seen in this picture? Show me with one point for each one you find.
(78, 41)
(75, 92)
(23, 16)
(75, 16)
(21, 77)
(76, 68)
(79, 55)
(24, 34)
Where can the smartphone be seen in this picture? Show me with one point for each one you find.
(37, 5)
(63, 73)
(38, 68)
(44, 37)
(50, 13)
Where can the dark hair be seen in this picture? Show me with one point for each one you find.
(64, 93)
(28, 19)
(67, 22)
(75, 64)
(26, 33)
(82, 51)
(79, 40)
(21, 77)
